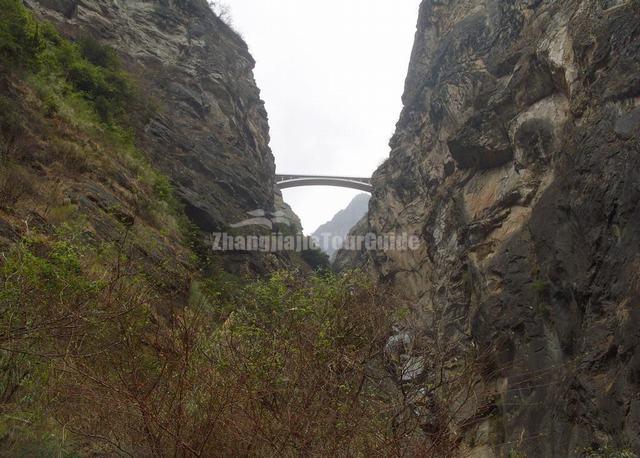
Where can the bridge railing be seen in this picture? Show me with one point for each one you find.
(281, 177)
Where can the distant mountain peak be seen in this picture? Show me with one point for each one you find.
(341, 223)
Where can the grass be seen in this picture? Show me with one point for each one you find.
(15, 182)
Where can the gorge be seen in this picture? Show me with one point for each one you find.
(132, 129)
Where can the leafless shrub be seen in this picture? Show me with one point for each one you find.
(70, 155)
(440, 374)
(15, 182)
(222, 10)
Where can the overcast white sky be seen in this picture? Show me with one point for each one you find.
(331, 73)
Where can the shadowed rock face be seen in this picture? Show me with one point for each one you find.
(517, 161)
(210, 131)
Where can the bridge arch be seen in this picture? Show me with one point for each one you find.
(294, 181)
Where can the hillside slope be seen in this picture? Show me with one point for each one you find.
(120, 333)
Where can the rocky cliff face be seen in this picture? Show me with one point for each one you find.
(516, 159)
(209, 133)
(341, 224)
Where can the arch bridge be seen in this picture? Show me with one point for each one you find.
(294, 181)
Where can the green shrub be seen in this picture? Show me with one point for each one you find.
(540, 287)
(109, 90)
(164, 192)
(15, 182)
(11, 121)
(316, 259)
(90, 68)
(51, 305)
(243, 361)
(99, 54)
(19, 34)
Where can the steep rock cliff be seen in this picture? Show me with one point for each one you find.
(516, 160)
(209, 131)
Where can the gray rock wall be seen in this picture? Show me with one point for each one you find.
(517, 161)
(209, 132)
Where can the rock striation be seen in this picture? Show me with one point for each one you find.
(517, 161)
(208, 131)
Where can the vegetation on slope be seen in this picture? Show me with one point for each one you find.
(111, 340)
(276, 367)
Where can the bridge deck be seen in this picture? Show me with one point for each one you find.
(295, 177)
(293, 181)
